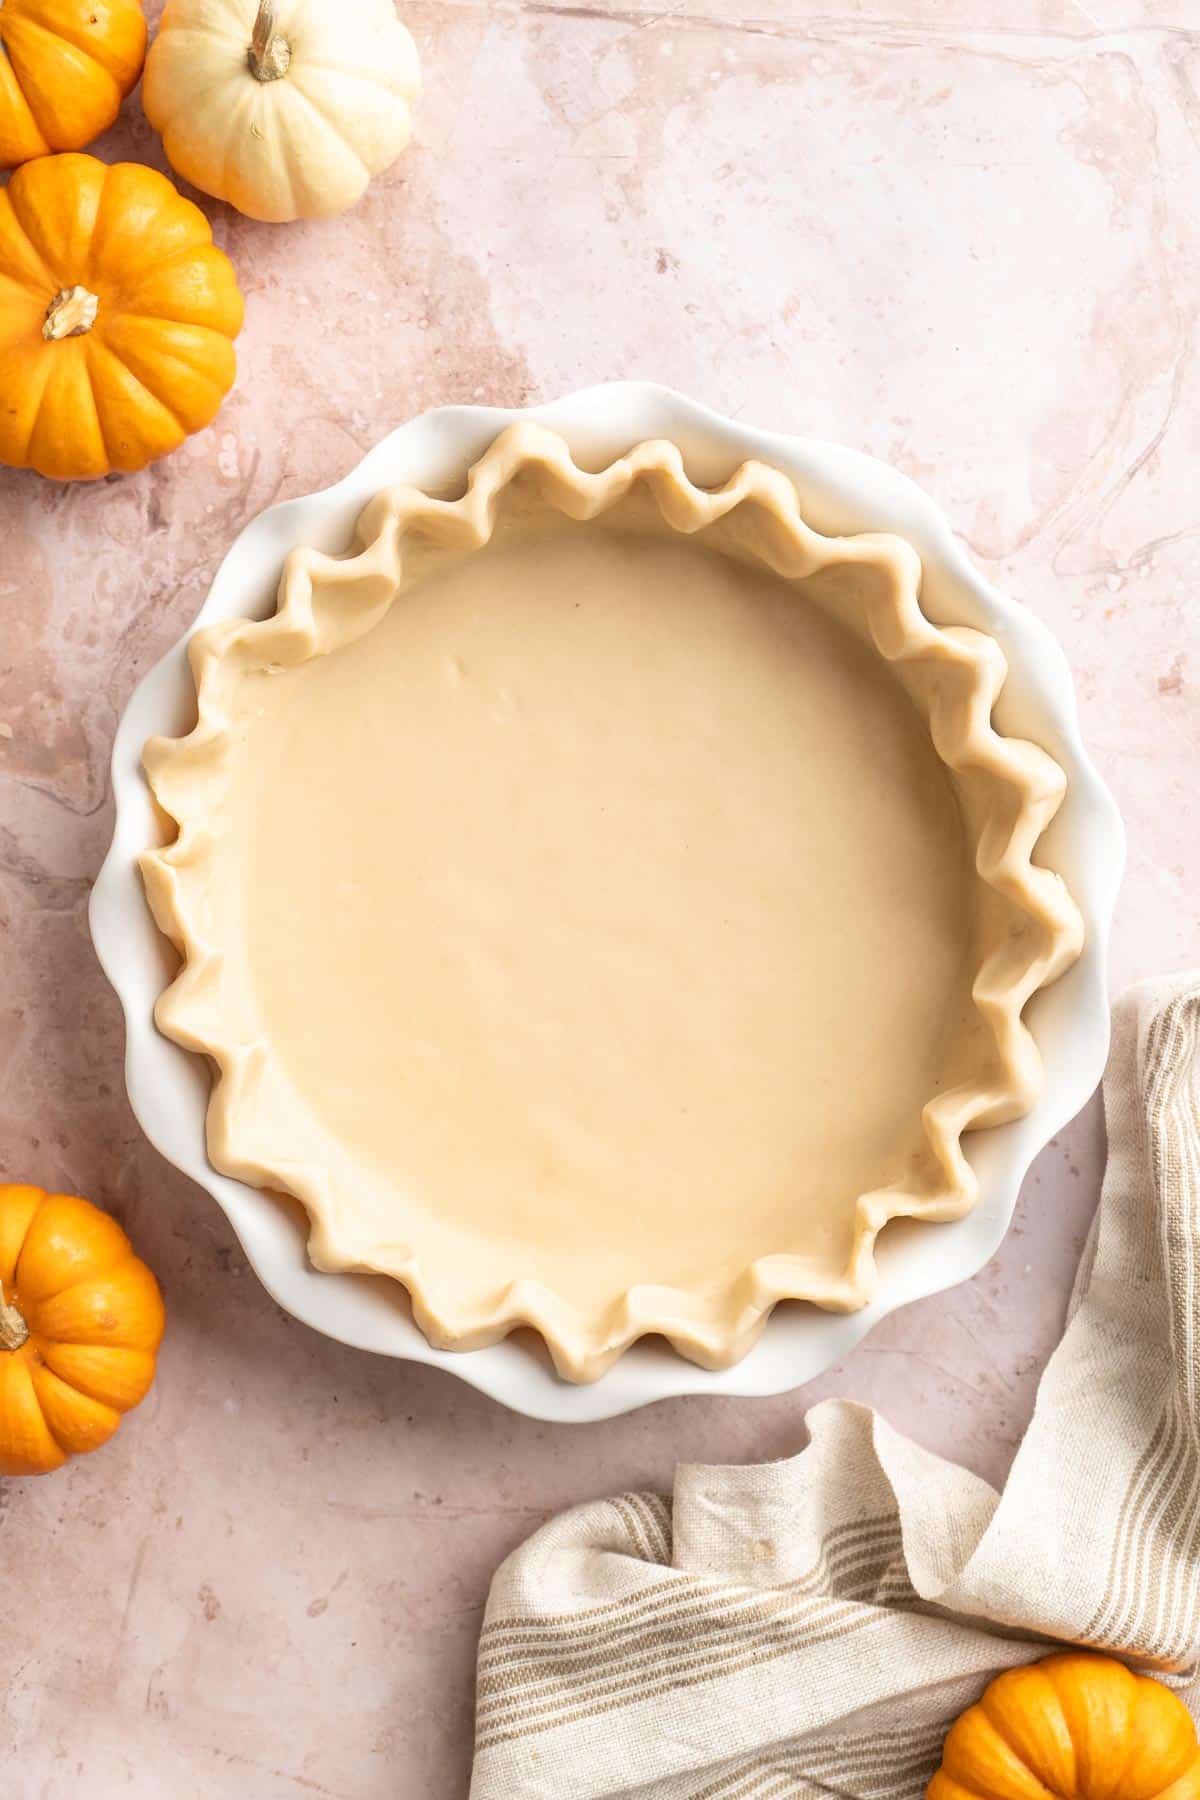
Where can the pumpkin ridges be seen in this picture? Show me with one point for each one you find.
(1018, 1706)
(398, 63)
(16, 428)
(1095, 1711)
(140, 215)
(193, 252)
(86, 254)
(1131, 1738)
(75, 1421)
(301, 101)
(19, 1204)
(298, 89)
(241, 145)
(27, 1445)
(138, 427)
(251, 100)
(944, 1787)
(69, 1241)
(72, 1362)
(58, 216)
(13, 299)
(69, 65)
(173, 58)
(325, 76)
(220, 20)
(48, 68)
(123, 1309)
(110, 1373)
(23, 261)
(974, 1748)
(109, 361)
(293, 125)
(119, 47)
(1163, 1733)
(155, 357)
(221, 34)
(1185, 1786)
(42, 42)
(67, 395)
(20, 138)
(175, 340)
(196, 290)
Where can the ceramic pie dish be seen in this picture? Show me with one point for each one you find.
(608, 895)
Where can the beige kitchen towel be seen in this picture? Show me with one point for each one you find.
(814, 1626)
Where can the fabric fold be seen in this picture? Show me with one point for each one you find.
(814, 1626)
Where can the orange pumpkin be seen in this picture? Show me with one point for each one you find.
(69, 65)
(81, 1320)
(1073, 1724)
(117, 318)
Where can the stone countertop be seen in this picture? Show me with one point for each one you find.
(971, 249)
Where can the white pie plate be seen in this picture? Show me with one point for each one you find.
(841, 491)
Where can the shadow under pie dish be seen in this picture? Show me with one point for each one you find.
(605, 902)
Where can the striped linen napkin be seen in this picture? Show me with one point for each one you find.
(813, 1627)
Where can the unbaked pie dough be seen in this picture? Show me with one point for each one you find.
(605, 902)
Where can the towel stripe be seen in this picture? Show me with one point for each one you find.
(712, 1639)
(691, 1685)
(1161, 1503)
(571, 1709)
(843, 1554)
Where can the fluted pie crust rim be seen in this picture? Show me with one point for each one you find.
(971, 670)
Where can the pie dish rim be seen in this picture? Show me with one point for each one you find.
(629, 412)
(327, 603)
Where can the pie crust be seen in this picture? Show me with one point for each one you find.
(605, 902)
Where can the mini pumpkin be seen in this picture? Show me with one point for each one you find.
(81, 1320)
(117, 318)
(65, 67)
(1073, 1724)
(285, 108)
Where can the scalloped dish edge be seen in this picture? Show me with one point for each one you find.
(963, 736)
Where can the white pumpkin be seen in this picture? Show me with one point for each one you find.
(285, 108)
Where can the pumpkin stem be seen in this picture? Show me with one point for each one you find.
(269, 55)
(71, 313)
(13, 1329)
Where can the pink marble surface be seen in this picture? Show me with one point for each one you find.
(971, 248)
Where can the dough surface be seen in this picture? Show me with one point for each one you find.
(595, 921)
